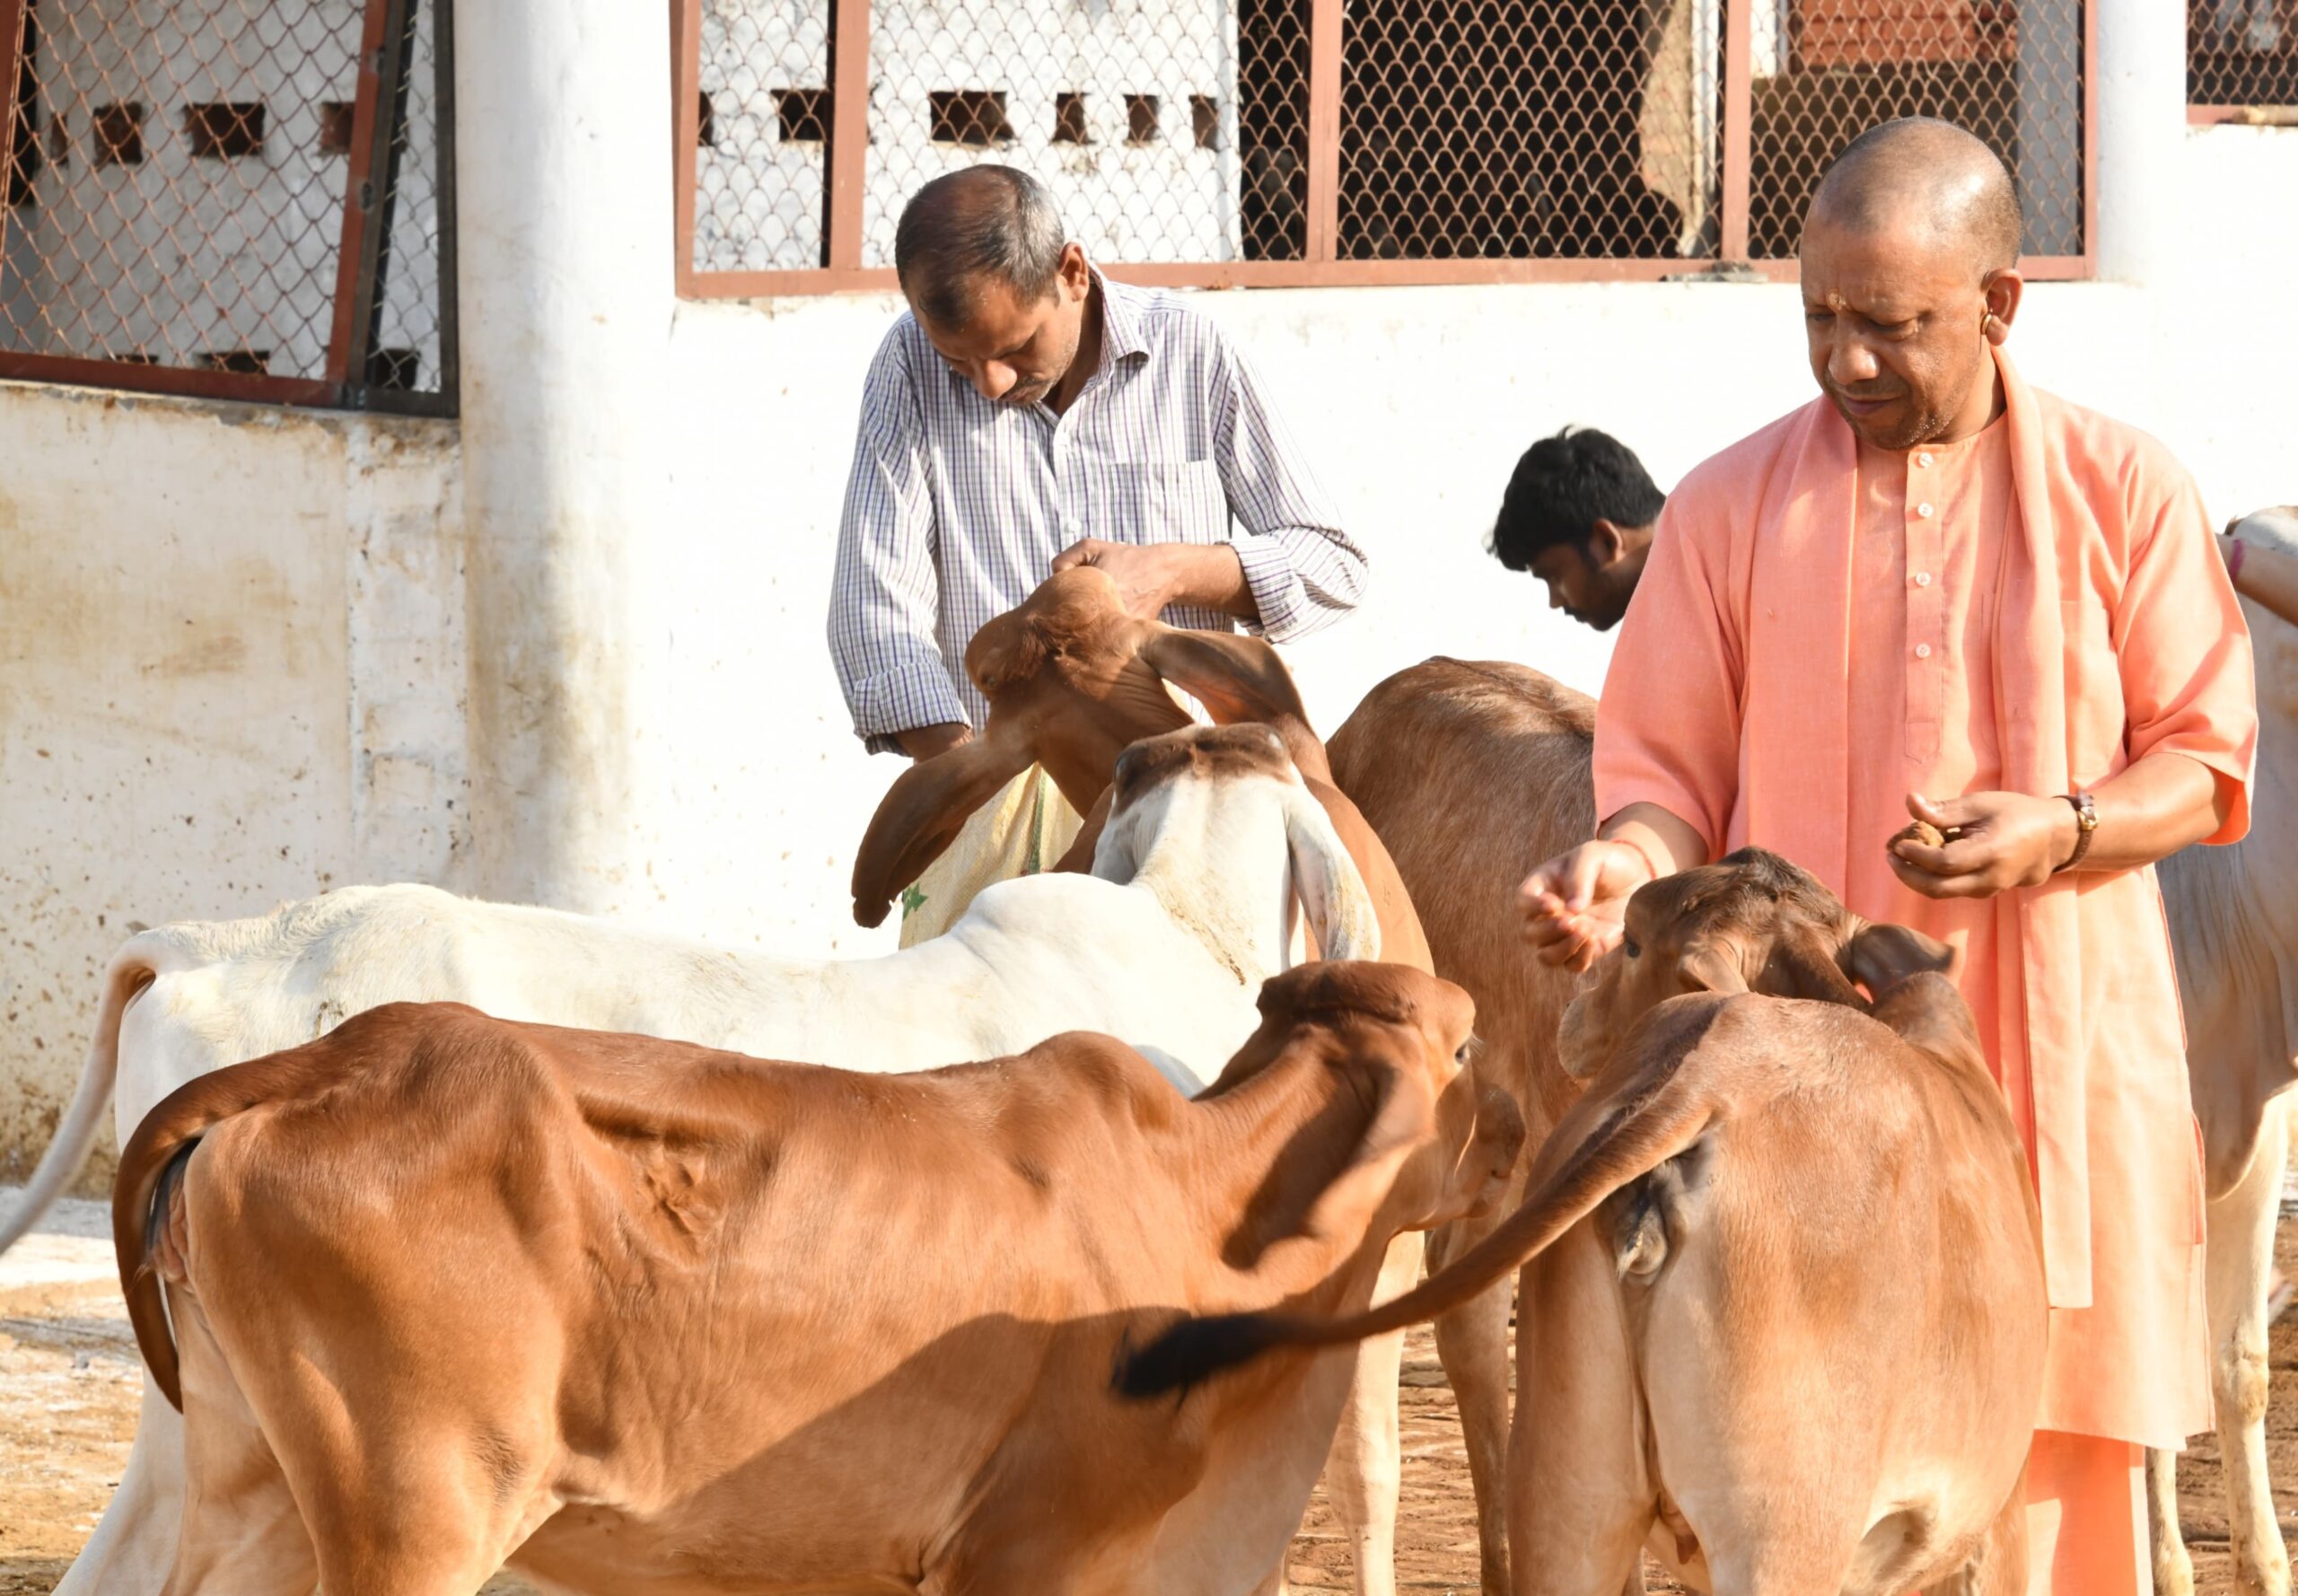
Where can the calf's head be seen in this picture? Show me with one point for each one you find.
(1408, 1136)
(1071, 678)
(1219, 817)
(1753, 923)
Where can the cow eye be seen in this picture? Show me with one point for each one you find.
(1627, 945)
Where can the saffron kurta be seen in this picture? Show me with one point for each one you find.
(1823, 628)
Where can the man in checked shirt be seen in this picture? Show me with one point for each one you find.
(1027, 416)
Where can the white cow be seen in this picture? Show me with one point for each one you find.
(2233, 918)
(1190, 907)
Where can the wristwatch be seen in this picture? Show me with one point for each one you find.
(2086, 822)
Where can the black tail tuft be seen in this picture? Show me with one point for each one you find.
(1194, 1350)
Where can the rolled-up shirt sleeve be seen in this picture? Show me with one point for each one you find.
(2183, 651)
(886, 593)
(1304, 570)
(1668, 724)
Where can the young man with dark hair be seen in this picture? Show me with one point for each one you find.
(1578, 514)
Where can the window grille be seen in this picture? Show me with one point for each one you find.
(2011, 71)
(1272, 142)
(2243, 61)
(232, 198)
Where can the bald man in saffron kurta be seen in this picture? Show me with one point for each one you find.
(2015, 601)
(1815, 638)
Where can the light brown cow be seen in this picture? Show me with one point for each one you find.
(1829, 1295)
(1473, 773)
(640, 1316)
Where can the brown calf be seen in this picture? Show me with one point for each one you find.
(640, 1316)
(1072, 680)
(1474, 772)
(1817, 1370)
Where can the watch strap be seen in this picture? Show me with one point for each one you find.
(2086, 825)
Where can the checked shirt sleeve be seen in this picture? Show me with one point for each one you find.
(1304, 571)
(886, 593)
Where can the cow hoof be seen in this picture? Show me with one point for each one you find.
(2174, 1571)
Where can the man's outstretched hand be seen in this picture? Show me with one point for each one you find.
(1574, 905)
(1983, 844)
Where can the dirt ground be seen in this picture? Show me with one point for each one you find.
(69, 1380)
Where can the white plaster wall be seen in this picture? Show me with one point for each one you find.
(229, 675)
(2230, 318)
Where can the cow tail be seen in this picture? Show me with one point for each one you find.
(153, 1169)
(1607, 1139)
(133, 968)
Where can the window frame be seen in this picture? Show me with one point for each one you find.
(1319, 268)
(2213, 113)
(361, 241)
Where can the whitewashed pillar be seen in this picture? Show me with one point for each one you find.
(564, 212)
(2142, 128)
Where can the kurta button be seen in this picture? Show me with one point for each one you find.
(1922, 579)
(1923, 650)
(1924, 458)
(1924, 511)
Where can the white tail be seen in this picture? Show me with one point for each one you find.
(132, 970)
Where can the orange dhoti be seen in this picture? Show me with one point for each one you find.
(1824, 628)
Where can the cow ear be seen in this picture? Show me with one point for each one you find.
(922, 814)
(1802, 965)
(1331, 889)
(1237, 679)
(1880, 956)
(1007, 649)
(1710, 967)
(1931, 1016)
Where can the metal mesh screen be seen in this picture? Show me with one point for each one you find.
(2242, 53)
(1168, 130)
(1273, 127)
(1127, 110)
(178, 191)
(1824, 71)
(763, 145)
(1501, 129)
(1275, 141)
